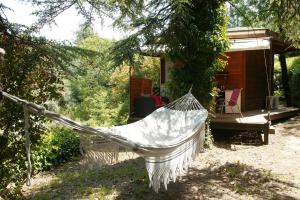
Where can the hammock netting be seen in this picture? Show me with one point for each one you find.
(168, 139)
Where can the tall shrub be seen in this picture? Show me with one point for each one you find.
(197, 42)
(31, 69)
(58, 145)
(295, 81)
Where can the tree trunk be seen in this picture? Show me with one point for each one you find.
(285, 79)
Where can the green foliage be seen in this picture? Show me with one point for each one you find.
(209, 139)
(58, 145)
(278, 93)
(90, 95)
(193, 32)
(149, 68)
(98, 91)
(32, 69)
(293, 64)
(25, 72)
(295, 81)
(198, 44)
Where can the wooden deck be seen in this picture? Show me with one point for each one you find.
(252, 120)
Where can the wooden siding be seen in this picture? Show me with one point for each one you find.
(138, 87)
(246, 69)
(236, 73)
(235, 69)
(256, 79)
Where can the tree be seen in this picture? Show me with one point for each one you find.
(90, 86)
(32, 69)
(190, 30)
(98, 90)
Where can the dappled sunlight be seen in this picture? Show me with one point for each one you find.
(163, 127)
(128, 180)
(85, 183)
(251, 119)
(219, 181)
(245, 171)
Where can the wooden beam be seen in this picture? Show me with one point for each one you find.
(284, 115)
(238, 126)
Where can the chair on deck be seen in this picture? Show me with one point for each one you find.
(233, 101)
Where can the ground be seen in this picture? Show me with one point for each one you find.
(229, 170)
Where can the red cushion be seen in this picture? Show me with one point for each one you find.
(234, 97)
(157, 100)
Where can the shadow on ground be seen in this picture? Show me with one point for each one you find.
(128, 180)
(225, 139)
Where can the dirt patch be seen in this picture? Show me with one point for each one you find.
(230, 170)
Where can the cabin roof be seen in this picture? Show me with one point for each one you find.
(248, 32)
(247, 38)
(243, 39)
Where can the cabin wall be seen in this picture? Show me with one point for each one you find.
(235, 71)
(256, 78)
(245, 69)
(138, 87)
(165, 65)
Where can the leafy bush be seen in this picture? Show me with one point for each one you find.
(295, 86)
(57, 146)
(32, 69)
(65, 144)
(295, 81)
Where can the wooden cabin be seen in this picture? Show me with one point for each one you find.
(139, 86)
(251, 70)
(250, 66)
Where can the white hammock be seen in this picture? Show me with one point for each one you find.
(168, 139)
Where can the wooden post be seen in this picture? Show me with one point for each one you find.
(266, 136)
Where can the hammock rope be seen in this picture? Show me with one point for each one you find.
(168, 139)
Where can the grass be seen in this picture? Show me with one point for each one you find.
(96, 183)
(245, 179)
(128, 180)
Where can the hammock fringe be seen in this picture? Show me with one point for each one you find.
(167, 170)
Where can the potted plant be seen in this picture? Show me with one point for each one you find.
(275, 99)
